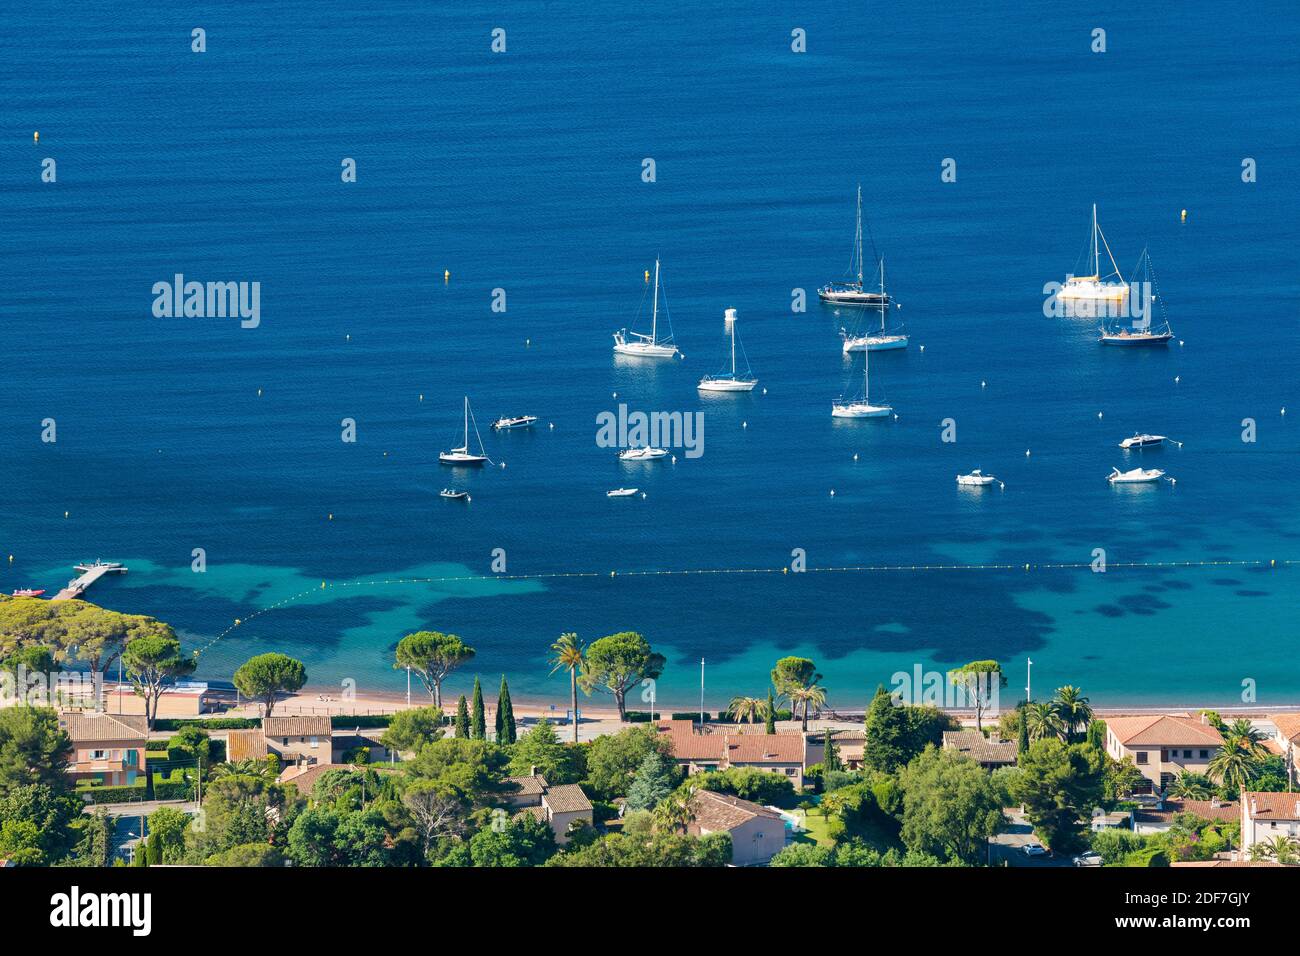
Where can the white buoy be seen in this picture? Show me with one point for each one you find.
(552, 426)
(1026, 452)
(503, 464)
(764, 391)
(615, 394)
(922, 348)
(1283, 409)
(674, 459)
(983, 384)
(855, 456)
(744, 424)
(832, 492)
(1177, 379)
(528, 343)
(1099, 414)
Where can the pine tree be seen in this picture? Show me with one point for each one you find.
(655, 779)
(505, 715)
(478, 723)
(886, 732)
(462, 718)
(771, 712)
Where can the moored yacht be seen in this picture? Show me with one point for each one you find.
(1095, 287)
(1137, 476)
(520, 421)
(647, 346)
(461, 455)
(845, 408)
(977, 479)
(730, 382)
(642, 454)
(853, 292)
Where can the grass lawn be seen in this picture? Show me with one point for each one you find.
(817, 829)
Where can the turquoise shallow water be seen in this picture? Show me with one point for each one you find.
(521, 171)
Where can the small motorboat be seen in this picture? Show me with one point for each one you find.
(1136, 476)
(621, 493)
(641, 454)
(977, 479)
(521, 421)
(1146, 441)
(29, 592)
(454, 495)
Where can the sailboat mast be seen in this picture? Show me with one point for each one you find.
(467, 423)
(654, 315)
(1096, 246)
(858, 237)
(733, 349)
(882, 294)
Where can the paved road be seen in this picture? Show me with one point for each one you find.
(1007, 847)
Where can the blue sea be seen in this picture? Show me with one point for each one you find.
(522, 171)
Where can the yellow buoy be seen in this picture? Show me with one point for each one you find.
(446, 275)
(647, 276)
(36, 136)
(11, 559)
(238, 622)
(1184, 216)
(322, 585)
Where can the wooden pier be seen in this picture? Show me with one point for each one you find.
(90, 573)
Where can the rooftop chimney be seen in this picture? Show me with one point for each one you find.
(532, 771)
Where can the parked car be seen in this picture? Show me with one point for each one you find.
(1090, 858)
(1034, 849)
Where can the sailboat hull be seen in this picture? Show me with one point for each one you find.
(1136, 338)
(460, 459)
(861, 410)
(645, 350)
(1092, 292)
(874, 343)
(852, 297)
(727, 385)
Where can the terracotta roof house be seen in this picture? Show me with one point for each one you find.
(757, 833)
(306, 740)
(1268, 815)
(245, 745)
(1162, 746)
(559, 805)
(848, 747)
(304, 776)
(786, 754)
(107, 748)
(1160, 817)
(1286, 736)
(989, 754)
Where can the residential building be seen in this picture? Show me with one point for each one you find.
(848, 747)
(989, 753)
(1268, 815)
(1162, 746)
(723, 748)
(296, 740)
(757, 833)
(107, 748)
(304, 775)
(1159, 817)
(560, 805)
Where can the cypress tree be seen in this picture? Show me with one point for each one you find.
(771, 712)
(505, 715)
(478, 723)
(155, 849)
(1022, 745)
(462, 718)
(831, 760)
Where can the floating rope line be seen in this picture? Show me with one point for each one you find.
(783, 569)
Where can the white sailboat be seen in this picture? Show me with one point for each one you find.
(461, 455)
(1141, 331)
(861, 409)
(881, 341)
(647, 346)
(732, 382)
(853, 292)
(1095, 287)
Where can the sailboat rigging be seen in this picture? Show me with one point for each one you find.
(845, 408)
(732, 382)
(1095, 287)
(853, 292)
(1141, 332)
(880, 341)
(461, 455)
(647, 346)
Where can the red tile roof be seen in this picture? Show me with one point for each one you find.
(1288, 726)
(297, 726)
(715, 812)
(1274, 806)
(1206, 809)
(1163, 730)
(732, 748)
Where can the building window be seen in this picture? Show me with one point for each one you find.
(1187, 753)
(1140, 757)
(1205, 755)
(315, 742)
(99, 755)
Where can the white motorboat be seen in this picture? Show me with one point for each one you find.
(641, 454)
(454, 494)
(853, 292)
(521, 421)
(461, 455)
(1136, 476)
(1146, 441)
(844, 408)
(621, 493)
(1095, 287)
(977, 479)
(732, 382)
(647, 346)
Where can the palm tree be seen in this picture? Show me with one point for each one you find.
(1251, 739)
(1043, 721)
(1282, 849)
(1190, 785)
(1234, 764)
(1074, 710)
(813, 695)
(244, 768)
(676, 811)
(748, 709)
(568, 655)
